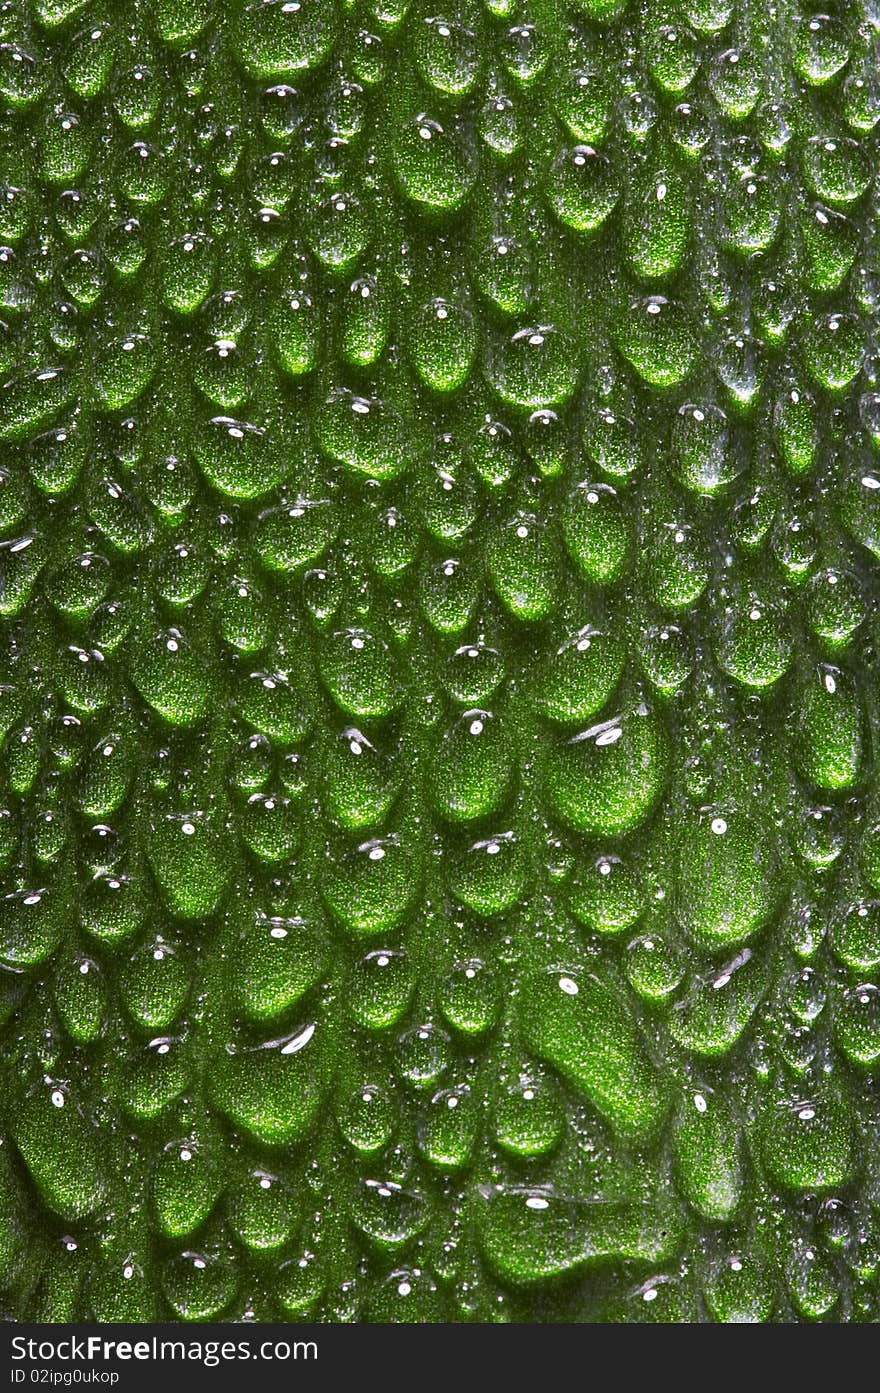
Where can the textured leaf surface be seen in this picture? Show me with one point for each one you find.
(439, 521)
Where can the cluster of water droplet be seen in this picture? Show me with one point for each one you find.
(440, 508)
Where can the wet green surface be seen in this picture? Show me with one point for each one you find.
(440, 514)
